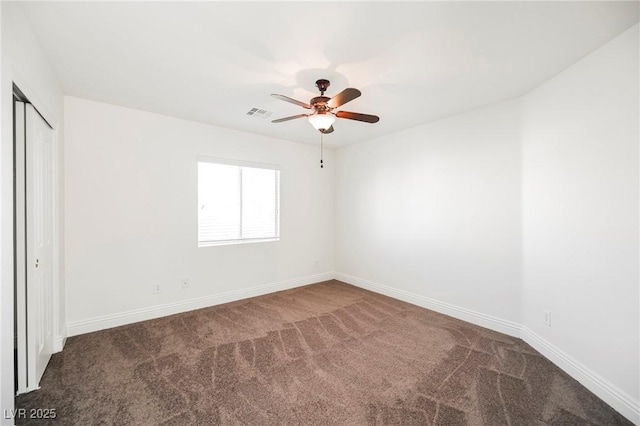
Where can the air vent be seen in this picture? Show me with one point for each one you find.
(259, 113)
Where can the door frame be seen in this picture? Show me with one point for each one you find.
(20, 246)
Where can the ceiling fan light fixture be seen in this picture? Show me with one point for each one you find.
(322, 121)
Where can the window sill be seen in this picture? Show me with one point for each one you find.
(235, 242)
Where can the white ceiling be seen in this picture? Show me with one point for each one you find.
(413, 61)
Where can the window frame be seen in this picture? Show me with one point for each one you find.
(240, 164)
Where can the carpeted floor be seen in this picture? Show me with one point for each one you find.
(323, 354)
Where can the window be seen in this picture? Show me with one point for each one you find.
(237, 203)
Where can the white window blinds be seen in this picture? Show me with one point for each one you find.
(237, 204)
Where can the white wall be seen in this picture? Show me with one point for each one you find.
(580, 212)
(24, 63)
(131, 211)
(499, 214)
(435, 211)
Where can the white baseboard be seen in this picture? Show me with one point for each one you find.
(606, 391)
(483, 320)
(152, 312)
(616, 398)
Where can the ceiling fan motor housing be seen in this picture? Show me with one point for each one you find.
(322, 85)
(320, 104)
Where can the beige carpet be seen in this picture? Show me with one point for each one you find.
(323, 354)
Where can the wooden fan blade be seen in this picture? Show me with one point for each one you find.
(357, 116)
(343, 97)
(293, 117)
(291, 100)
(329, 130)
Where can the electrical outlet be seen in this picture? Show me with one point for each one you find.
(184, 283)
(157, 289)
(547, 317)
(316, 263)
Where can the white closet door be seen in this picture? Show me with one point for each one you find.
(38, 154)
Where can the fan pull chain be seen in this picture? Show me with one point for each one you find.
(321, 149)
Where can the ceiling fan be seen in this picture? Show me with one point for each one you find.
(322, 115)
